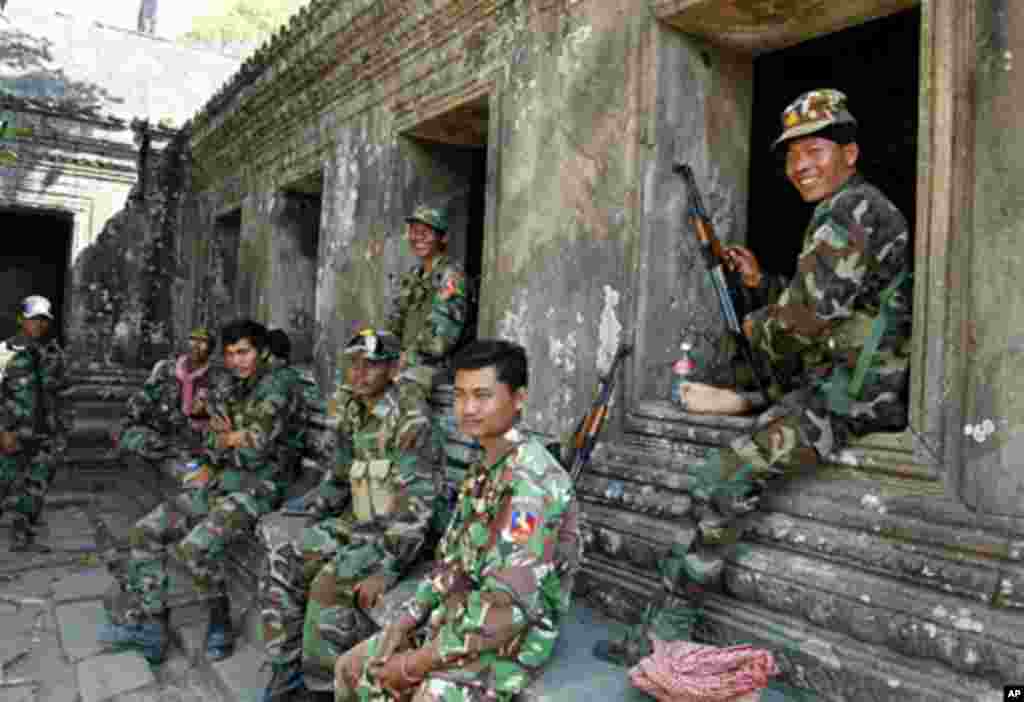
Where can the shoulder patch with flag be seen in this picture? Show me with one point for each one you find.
(523, 525)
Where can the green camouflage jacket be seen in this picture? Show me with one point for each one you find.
(311, 403)
(506, 567)
(855, 246)
(397, 430)
(429, 311)
(266, 406)
(32, 376)
(158, 404)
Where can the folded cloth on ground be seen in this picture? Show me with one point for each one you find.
(683, 671)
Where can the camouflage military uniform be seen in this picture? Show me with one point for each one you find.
(428, 314)
(495, 601)
(855, 247)
(311, 403)
(245, 484)
(342, 549)
(31, 378)
(155, 424)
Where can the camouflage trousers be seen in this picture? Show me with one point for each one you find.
(25, 478)
(471, 683)
(326, 560)
(794, 435)
(195, 527)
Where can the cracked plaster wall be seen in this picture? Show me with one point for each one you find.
(993, 469)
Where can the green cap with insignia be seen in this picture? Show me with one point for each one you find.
(434, 217)
(812, 112)
(377, 344)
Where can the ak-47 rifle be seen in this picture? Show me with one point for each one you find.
(714, 258)
(585, 437)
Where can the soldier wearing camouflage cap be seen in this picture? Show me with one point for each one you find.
(428, 313)
(366, 526)
(836, 335)
(33, 419)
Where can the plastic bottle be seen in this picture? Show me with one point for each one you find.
(682, 373)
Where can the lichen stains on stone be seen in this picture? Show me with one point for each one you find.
(610, 330)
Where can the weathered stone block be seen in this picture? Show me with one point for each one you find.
(78, 625)
(87, 585)
(104, 677)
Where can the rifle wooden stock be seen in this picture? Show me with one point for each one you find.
(590, 425)
(706, 235)
(714, 257)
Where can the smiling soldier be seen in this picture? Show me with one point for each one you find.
(495, 601)
(837, 336)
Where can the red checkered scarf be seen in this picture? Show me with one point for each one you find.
(682, 671)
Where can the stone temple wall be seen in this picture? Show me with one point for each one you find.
(893, 572)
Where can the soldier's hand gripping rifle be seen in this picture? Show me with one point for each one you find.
(714, 257)
(585, 437)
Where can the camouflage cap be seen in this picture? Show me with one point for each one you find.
(434, 217)
(378, 344)
(812, 112)
(201, 333)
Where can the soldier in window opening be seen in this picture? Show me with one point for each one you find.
(248, 466)
(384, 471)
(851, 289)
(429, 312)
(429, 316)
(168, 416)
(502, 584)
(33, 421)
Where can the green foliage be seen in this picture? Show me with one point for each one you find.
(240, 22)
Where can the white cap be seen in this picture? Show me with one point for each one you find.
(36, 306)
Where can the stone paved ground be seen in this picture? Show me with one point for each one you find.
(51, 605)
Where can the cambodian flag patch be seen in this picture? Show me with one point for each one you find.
(523, 526)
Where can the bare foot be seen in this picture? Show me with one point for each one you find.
(708, 399)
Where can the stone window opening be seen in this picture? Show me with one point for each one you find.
(445, 158)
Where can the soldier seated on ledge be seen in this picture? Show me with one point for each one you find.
(366, 527)
(248, 466)
(493, 605)
(837, 336)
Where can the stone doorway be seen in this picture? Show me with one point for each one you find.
(296, 247)
(877, 65)
(447, 161)
(35, 261)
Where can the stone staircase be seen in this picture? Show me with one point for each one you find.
(865, 581)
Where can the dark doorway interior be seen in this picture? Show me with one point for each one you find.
(297, 246)
(35, 261)
(877, 65)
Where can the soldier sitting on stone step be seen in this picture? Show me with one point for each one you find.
(837, 336)
(248, 467)
(493, 605)
(366, 527)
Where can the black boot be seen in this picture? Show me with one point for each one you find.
(220, 634)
